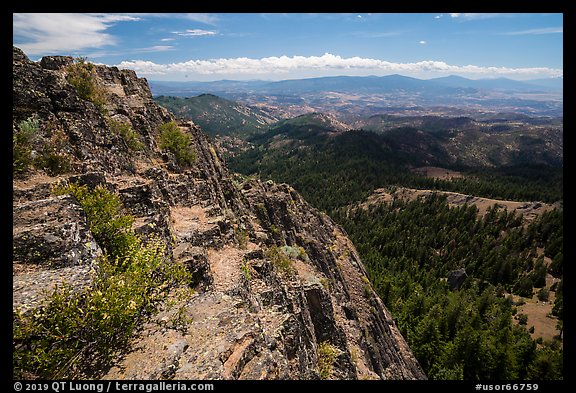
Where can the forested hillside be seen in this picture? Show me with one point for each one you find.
(218, 116)
(335, 170)
(410, 248)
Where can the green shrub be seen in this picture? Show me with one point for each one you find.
(274, 229)
(366, 287)
(295, 253)
(53, 158)
(76, 334)
(246, 270)
(523, 286)
(177, 142)
(522, 319)
(261, 210)
(543, 294)
(326, 357)
(111, 228)
(22, 140)
(82, 75)
(50, 156)
(241, 236)
(127, 133)
(281, 260)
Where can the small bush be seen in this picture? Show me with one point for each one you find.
(543, 294)
(246, 270)
(177, 142)
(326, 358)
(127, 133)
(53, 158)
(76, 332)
(111, 227)
(367, 288)
(275, 231)
(539, 340)
(50, 157)
(280, 260)
(82, 75)
(261, 209)
(241, 236)
(523, 286)
(522, 319)
(22, 140)
(295, 253)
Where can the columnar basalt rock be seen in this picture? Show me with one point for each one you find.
(274, 277)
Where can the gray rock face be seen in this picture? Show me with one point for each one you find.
(54, 232)
(52, 245)
(250, 317)
(456, 278)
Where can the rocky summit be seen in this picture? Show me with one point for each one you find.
(279, 291)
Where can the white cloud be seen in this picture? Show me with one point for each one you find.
(545, 30)
(438, 16)
(475, 16)
(167, 39)
(194, 32)
(55, 33)
(327, 63)
(207, 19)
(422, 42)
(155, 48)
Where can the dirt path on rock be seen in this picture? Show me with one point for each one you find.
(225, 265)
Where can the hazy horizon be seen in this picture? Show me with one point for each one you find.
(338, 76)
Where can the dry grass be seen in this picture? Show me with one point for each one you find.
(538, 316)
(528, 210)
(539, 313)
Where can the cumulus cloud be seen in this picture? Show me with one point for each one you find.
(326, 63)
(55, 33)
(422, 42)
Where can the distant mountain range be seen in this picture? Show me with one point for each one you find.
(504, 84)
(347, 97)
(348, 84)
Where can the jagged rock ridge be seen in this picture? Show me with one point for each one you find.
(267, 327)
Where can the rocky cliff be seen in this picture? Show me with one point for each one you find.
(275, 281)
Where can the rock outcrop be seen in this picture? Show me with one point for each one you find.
(456, 278)
(249, 318)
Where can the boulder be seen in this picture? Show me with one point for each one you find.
(456, 278)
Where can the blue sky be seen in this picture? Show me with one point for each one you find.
(203, 47)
